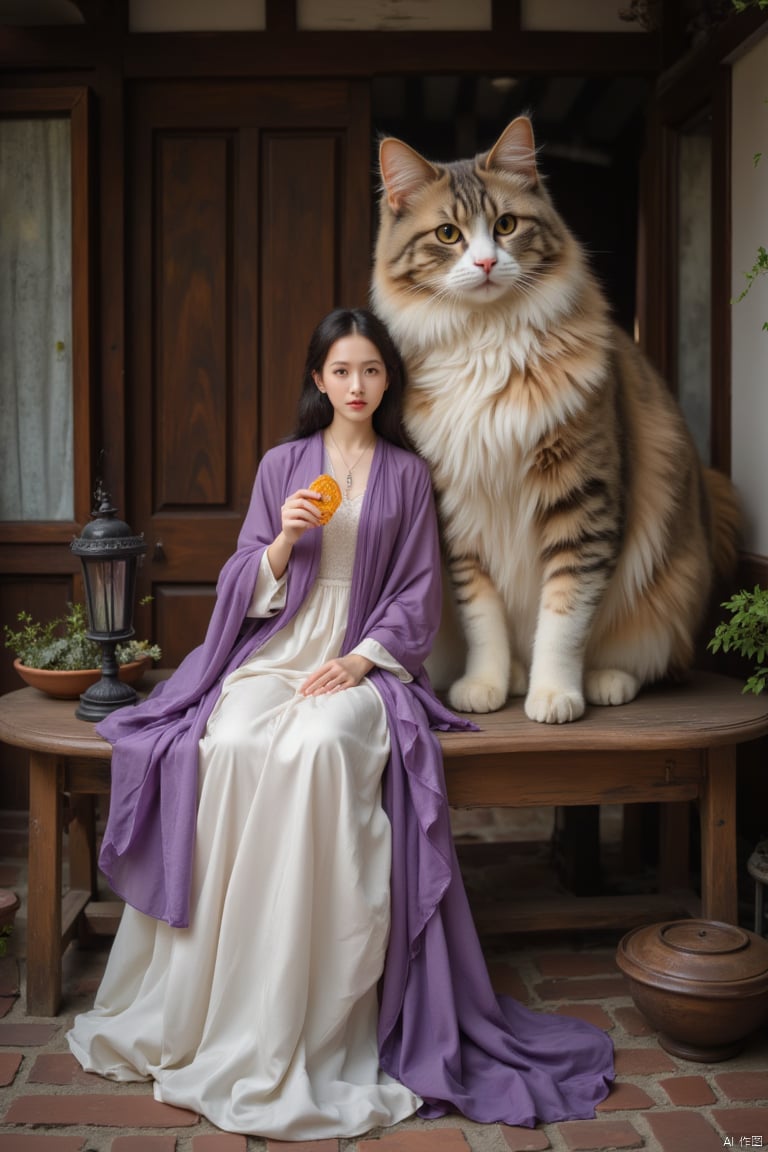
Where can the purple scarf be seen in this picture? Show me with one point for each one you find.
(442, 1030)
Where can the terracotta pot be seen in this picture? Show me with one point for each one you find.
(702, 985)
(9, 904)
(70, 685)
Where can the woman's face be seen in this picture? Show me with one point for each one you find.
(353, 378)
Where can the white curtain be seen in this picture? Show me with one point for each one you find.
(36, 433)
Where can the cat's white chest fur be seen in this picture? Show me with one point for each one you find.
(476, 441)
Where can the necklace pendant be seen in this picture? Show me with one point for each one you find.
(348, 480)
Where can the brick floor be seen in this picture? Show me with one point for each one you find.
(744, 1085)
(593, 1134)
(642, 1061)
(153, 1144)
(297, 1146)
(437, 1140)
(10, 1062)
(625, 1097)
(593, 1015)
(567, 964)
(111, 1110)
(689, 1091)
(227, 1142)
(685, 1131)
(603, 988)
(30, 1142)
(659, 1103)
(524, 1139)
(743, 1124)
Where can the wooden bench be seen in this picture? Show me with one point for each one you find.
(672, 745)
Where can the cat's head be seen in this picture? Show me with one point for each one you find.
(470, 235)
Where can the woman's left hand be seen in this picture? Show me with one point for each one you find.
(336, 675)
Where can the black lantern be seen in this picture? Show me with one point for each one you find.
(109, 553)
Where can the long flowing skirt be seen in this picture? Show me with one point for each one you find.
(262, 1014)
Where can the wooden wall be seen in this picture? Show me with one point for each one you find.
(128, 78)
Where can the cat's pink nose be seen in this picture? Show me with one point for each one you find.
(486, 264)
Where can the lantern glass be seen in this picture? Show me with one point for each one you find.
(109, 593)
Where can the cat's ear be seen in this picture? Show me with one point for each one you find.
(403, 172)
(515, 151)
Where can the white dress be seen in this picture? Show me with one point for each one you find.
(262, 1014)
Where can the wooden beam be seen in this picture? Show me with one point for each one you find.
(505, 17)
(283, 52)
(92, 11)
(28, 49)
(367, 54)
(281, 15)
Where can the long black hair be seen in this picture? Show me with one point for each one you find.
(315, 410)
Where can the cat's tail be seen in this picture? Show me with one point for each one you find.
(726, 523)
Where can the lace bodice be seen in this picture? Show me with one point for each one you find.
(337, 556)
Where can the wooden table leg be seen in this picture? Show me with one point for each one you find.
(719, 894)
(82, 838)
(674, 841)
(44, 888)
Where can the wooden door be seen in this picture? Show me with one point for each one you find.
(250, 220)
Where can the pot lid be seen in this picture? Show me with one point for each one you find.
(698, 950)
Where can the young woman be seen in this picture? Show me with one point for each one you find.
(297, 958)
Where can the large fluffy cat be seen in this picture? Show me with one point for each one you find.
(582, 534)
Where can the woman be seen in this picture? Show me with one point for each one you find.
(295, 963)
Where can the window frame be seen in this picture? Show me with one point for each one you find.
(73, 102)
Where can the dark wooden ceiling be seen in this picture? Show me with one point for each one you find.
(584, 118)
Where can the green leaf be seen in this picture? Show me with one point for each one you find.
(746, 632)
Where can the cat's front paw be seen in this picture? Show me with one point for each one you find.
(471, 695)
(554, 706)
(610, 686)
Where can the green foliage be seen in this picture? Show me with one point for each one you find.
(744, 5)
(759, 268)
(746, 633)
(62, 645)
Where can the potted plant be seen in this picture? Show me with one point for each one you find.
(58, 657)
(746, 633)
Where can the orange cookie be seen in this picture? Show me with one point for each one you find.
(330, 494)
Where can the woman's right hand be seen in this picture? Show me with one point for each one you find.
(299, 513)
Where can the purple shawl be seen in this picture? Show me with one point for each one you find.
(442, 1030)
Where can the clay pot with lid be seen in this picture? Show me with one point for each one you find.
(701, 984)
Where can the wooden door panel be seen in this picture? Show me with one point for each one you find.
(188, 547)
(182, 612)
(299, 269)
(194, 280)
(241, 238)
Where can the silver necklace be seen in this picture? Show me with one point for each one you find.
(350, 469)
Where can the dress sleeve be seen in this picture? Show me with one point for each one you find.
(269, 593)
(377, 653)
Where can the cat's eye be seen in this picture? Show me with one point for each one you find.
(505, 225)
(448, 233)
